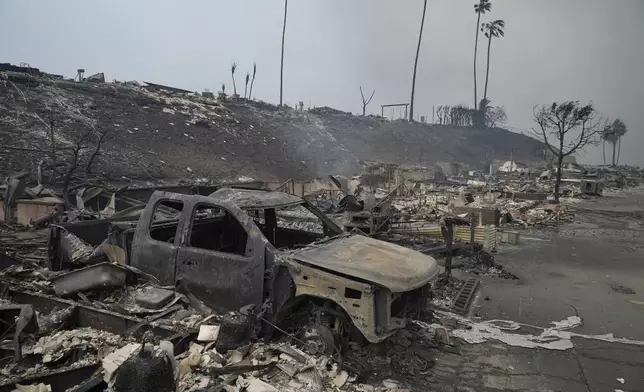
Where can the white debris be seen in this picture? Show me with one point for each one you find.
(234, 356)
(33, 388)
(113, 361)
(257, 385)
(341, 379)
(390, 384)
(185, 366)
(570, 322)
(196, 348)
(621, 380)
(554, 338)
(208, 333)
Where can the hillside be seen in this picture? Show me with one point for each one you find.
(155, 134)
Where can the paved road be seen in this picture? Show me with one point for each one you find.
(590, 366)
(590, 267)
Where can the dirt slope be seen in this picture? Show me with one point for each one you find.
(159, 135)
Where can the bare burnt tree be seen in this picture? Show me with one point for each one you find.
(440, 114)
(246, 87)
(252, 81)
(566, 128)
(70, 153)
(365, 102)
(495, 116)
(233, 68)
(460, 116)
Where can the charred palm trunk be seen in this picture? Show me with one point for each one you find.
(476, 45)
(413, 79)
(604, 151)
(487, 71)
(282, 61)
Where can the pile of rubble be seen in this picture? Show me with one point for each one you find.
(200, 351)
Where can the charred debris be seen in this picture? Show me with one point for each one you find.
(250, 286)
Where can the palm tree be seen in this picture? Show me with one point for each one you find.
(247, 80)
(482, 7)
(250, 93)
(282, 62)
(612, 133)
(479, 117)
(492, 29)
(603, 137)
(413, 79)
(619, 130)
(233, 68)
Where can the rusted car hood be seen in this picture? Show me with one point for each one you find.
(392, 266)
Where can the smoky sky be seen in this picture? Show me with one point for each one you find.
(553, 50)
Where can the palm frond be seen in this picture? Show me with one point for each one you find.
(482, 7)
(233, 67)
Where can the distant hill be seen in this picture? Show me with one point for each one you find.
(157, 134)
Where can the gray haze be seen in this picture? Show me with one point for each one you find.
(587, 50)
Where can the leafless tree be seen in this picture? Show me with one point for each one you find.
(247, 80)
(566, 128)
(494, 116)
(252, 81)
(233, 68)
(413, 79)
(460, 116)
(69, 154)
(440, 114)
(365, 102)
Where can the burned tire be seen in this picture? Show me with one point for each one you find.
(145, 372)
(318, 340)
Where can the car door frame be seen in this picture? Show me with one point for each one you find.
(223, 281)
(152, 256)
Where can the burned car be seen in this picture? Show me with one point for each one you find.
(239, 247)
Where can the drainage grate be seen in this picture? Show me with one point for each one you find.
(462, 302)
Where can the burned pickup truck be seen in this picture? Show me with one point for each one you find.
(276, 251)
